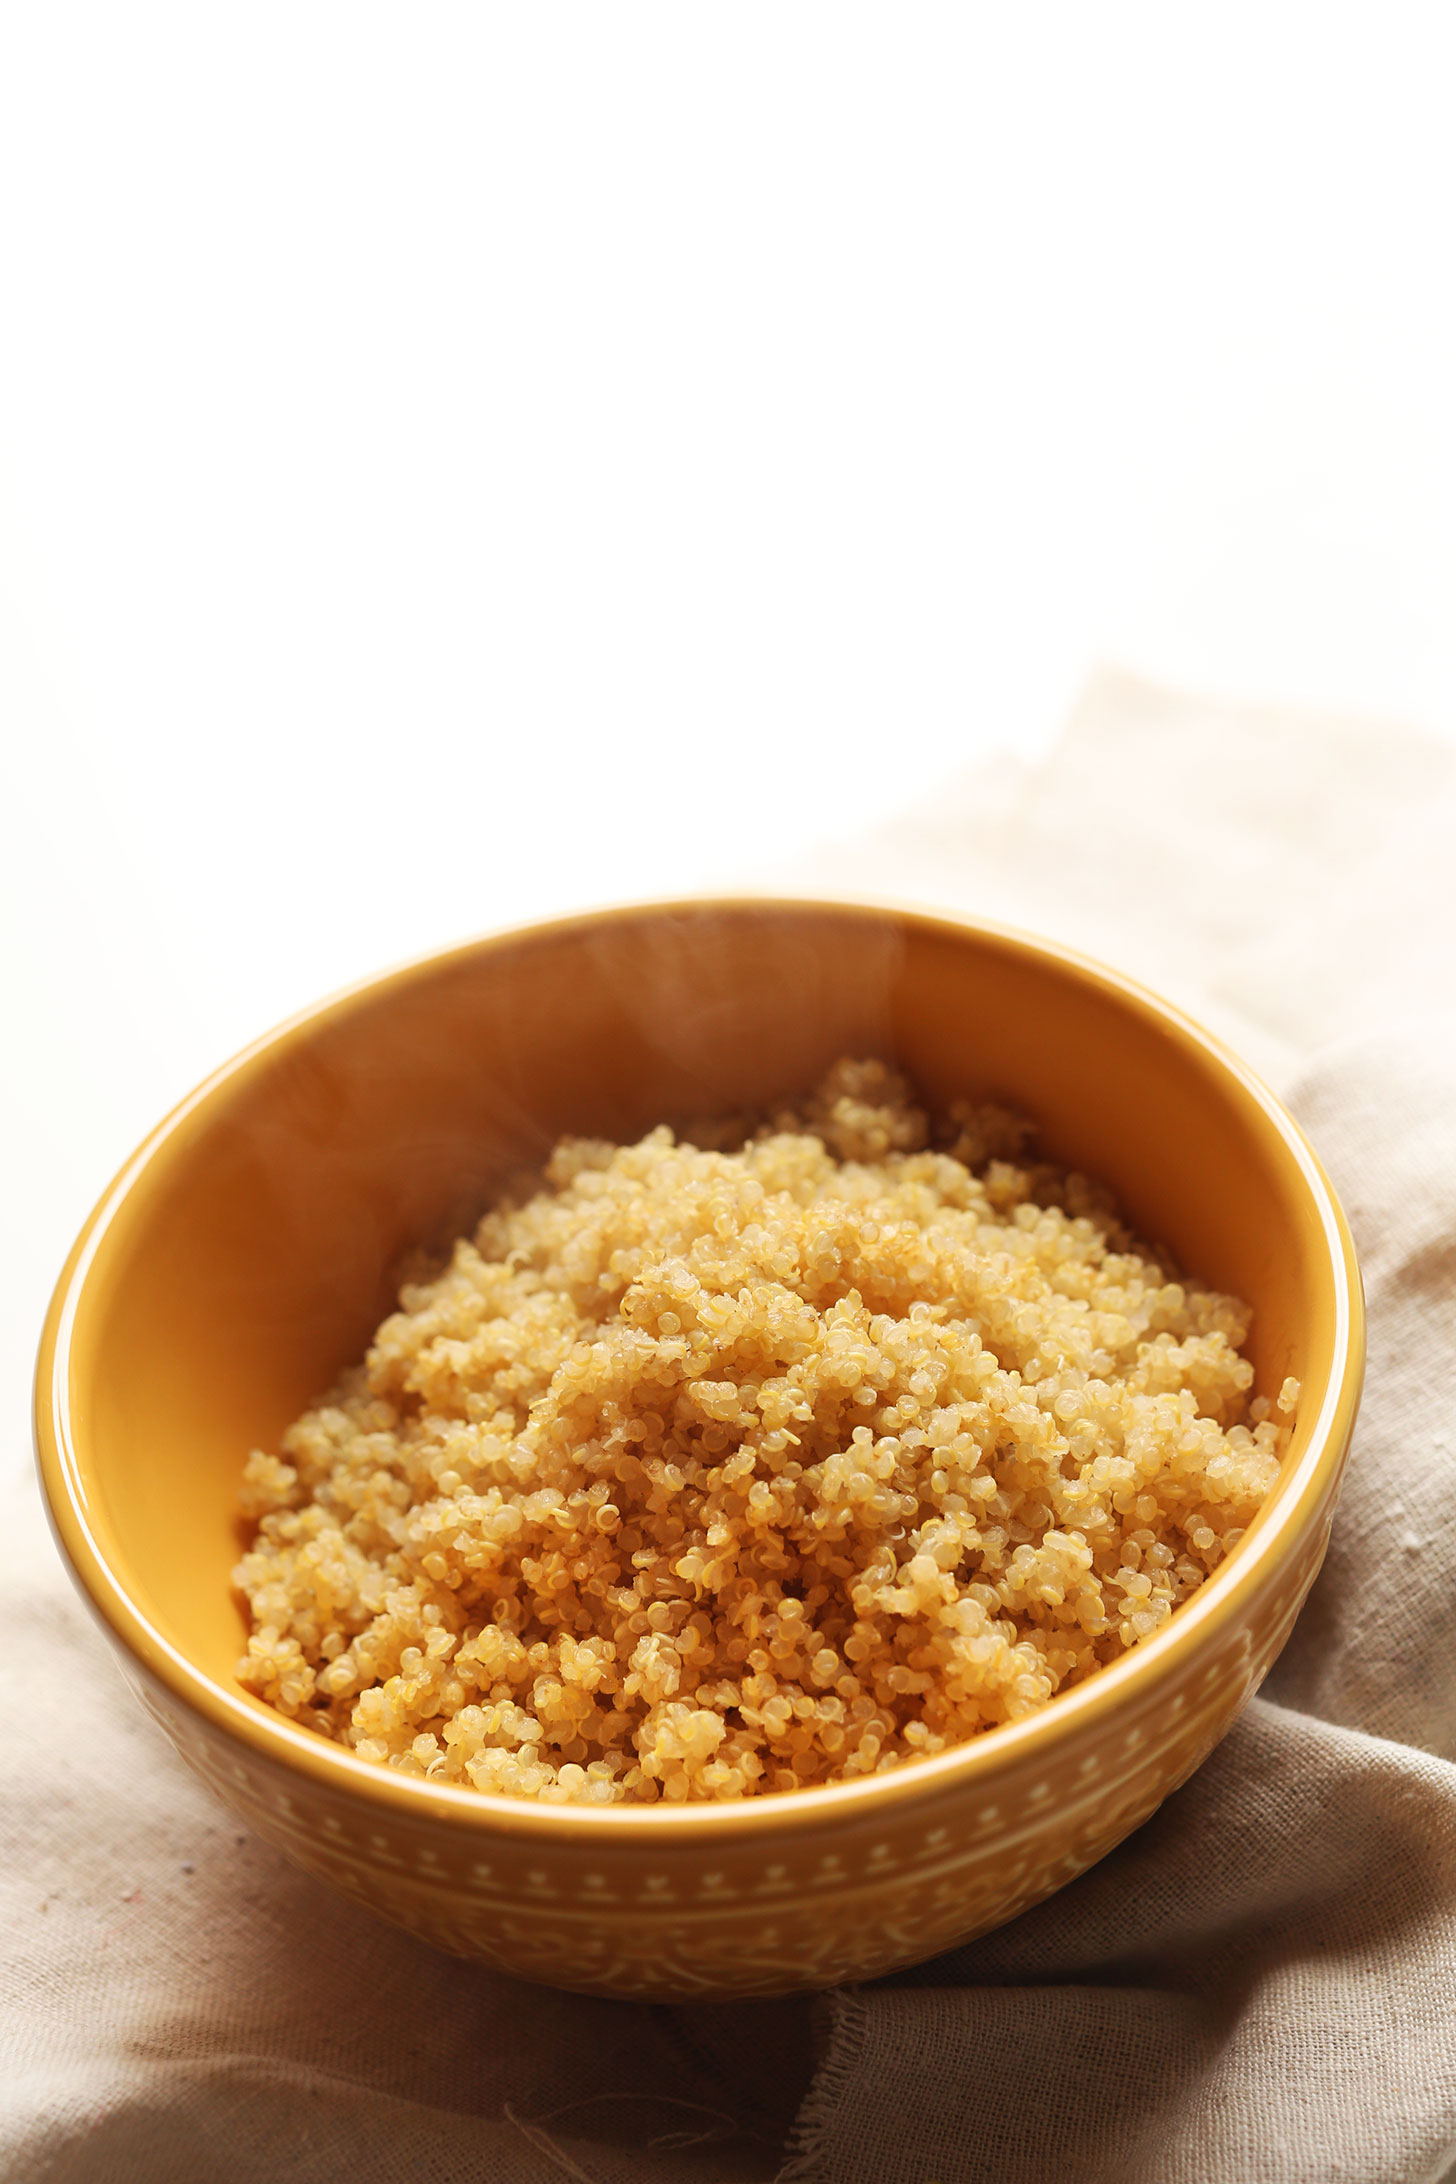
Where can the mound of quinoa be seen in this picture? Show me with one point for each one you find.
(764, 1457)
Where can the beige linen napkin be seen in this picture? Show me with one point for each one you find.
(1260, 1986)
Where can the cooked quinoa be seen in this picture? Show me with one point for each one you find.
(754, 1458)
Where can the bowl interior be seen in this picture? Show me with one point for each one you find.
(262, 1239)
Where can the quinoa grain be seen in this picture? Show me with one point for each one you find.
(754, 1460)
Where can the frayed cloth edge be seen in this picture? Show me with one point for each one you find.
(849, 2023)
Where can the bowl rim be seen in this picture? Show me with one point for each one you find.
(270, 1737)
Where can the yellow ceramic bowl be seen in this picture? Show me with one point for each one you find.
(251, 1246)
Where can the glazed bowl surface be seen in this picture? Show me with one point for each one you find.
(248, 1250)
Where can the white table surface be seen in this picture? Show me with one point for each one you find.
(456, 466)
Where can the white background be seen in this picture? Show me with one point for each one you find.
(457, 463)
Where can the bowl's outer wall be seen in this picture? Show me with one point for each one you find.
(260, 1240)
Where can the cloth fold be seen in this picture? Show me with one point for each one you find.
(1259, 1986)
